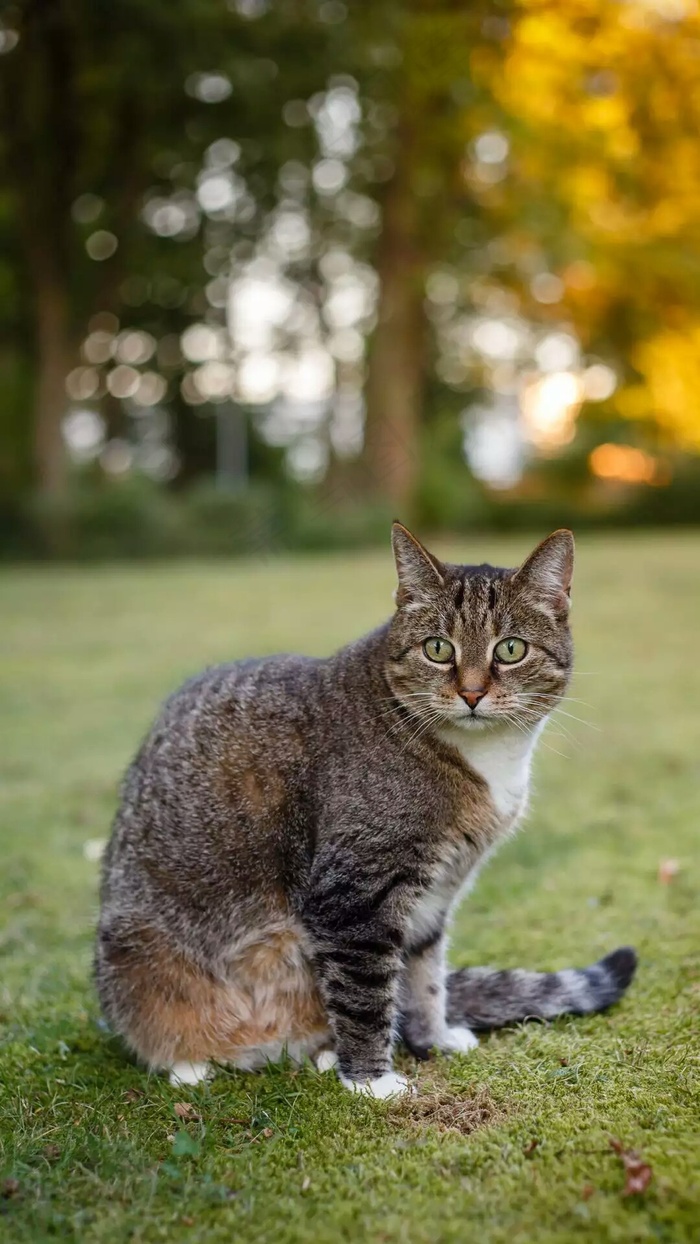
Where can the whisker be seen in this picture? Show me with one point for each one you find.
(591, 725)
(565, 699)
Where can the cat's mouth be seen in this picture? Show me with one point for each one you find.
(474, 720)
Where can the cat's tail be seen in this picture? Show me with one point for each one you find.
(484, 998)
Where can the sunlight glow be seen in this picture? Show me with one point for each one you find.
(549, 408)
(627, 465)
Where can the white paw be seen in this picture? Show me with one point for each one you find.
(458, 1041)
(188, 1073)
(326, 1060)
(388, 1085)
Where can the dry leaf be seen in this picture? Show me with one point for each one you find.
(306, 1183)
(185, 1110)
(187, 1221)
(52, 1153)
(668, 869)
(9, 1188)
(133, 1094)
(530, 1148)
(587, 1192)
(638, 1174)
(267, 1132)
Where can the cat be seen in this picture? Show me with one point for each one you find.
(294, 834)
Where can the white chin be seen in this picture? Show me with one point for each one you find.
(476, 723)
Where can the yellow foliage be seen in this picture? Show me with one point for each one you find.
(605, 101)
(670, 365)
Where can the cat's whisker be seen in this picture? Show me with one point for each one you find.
(555, 750)
(563, 734)
(534, 717)
(565, 699)
(431, 720)
(422, 720)
(514, 722)
(556, 708)
(591, 725)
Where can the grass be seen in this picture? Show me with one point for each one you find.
(92, 1149)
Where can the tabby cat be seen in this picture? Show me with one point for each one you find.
(294, 835)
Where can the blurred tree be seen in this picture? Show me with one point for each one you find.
(416, 67)
(102, 106)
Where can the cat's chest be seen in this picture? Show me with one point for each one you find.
(502, 759)
(483, 815)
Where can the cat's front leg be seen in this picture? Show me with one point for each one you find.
(424, 1024)
(358, 963)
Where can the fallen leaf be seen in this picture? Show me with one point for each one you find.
(52, 1153)
(306, 1183)
(267, 1132)
(530, 1148)
(587, 1192)
(638, 1173)
(9, 1188)
(185, 1110)
(133, 1094)
(668, 869)
(187, 1222)
(639, 1176)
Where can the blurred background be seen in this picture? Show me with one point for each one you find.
(274, 271)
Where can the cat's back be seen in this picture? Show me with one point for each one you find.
(224, 756)
(259, 693)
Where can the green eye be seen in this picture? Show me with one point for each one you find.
(510, 651)
(440, 650)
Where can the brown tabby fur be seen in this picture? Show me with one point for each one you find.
(294, 833)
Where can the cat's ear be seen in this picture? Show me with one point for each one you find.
(419, 572)
(549, 570)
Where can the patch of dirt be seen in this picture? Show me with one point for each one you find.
(439, 1108)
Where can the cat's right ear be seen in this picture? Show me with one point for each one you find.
(419, 572)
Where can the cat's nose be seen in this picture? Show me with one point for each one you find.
(472, 696)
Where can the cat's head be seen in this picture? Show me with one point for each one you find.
(478, 646)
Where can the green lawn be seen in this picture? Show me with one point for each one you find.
(95, 1145)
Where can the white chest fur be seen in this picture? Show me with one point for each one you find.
(503, 758)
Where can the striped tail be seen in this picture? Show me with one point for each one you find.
(484, 998)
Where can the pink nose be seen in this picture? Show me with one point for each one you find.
(472, 697)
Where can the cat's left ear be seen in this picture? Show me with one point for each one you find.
(419, 572)
(549, 570)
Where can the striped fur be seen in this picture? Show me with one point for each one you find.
(485, 998)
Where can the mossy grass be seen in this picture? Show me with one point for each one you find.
(510, 1144)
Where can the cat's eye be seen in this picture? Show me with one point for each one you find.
(510, 651)
(440, 650)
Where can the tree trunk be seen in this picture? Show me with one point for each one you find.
(54, 360)
(396, 377)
